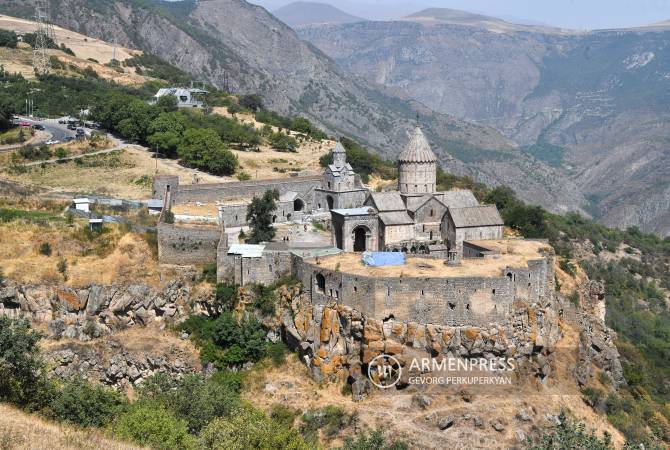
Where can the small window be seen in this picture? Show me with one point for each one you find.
(452, 306)
(331, 292)
(467, 306)
(355, 289)
(337, 294)
(493, 291)
(432, 212)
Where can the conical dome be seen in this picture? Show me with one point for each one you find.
(339, 148)
(339, 155)
(417, 150)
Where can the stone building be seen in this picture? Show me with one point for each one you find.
(415, 218)
(341, 187)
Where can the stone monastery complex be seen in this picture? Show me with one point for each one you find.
(459, 269)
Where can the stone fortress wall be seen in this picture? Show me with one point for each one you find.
(210, 193)
(453, 301)
(184, 245)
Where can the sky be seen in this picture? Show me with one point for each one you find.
(575, 14)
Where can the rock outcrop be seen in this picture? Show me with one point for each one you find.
(95, 311)
(596, 339)
(337, 342)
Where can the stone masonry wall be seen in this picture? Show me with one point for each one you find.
(208, 193)
(187, 245)
(447, 301)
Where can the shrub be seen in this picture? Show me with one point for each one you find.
(277, 353)
(331, 419)
(45, 249)
(248, 428)
(569, 435)
(373, 441)
(82, 403)
(192, 398)
(226, 296)
(283, 414)
(225, 342)
(168, 216)
(153, 425)
(243, 176)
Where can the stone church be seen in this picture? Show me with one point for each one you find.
(414, 219)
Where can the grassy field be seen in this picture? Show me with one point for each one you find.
(21, 431)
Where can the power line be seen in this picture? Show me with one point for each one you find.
(44, 32)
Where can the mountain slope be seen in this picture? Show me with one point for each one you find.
(456, 17)
(298, 14)
(235, 45)
(591, 105)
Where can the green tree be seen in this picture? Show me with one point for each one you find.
(301, 125)
(8, 38)
(251, 101)
(503, 197)
(7, 110)
(203, 149)
(154, 426)
(22, 379)
(86, 404)
(250, 429)
(166, 132)
(259, 215)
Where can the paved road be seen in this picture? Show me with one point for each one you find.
(56, 130)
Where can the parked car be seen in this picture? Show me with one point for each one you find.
(23, 123)
(71, 126)
(37, 126)
(52, 142)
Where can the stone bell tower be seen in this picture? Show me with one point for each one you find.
(417, 166)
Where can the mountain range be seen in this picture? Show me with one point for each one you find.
(593, 106)
(242, 47)
(572, 121)
(298, 14)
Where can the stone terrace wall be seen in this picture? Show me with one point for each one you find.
(208, 193)
(446, 301)
(187, 245)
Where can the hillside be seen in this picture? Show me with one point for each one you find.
(19, 431)
(588, 104)
(246, 50)
(298, 14)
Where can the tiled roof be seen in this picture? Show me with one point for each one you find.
(476, 216)
(418, 149)
(395, 218)
(458, 198)
(387, 201)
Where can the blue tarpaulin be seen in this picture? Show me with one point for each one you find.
(380, 259)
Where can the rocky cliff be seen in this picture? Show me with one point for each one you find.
(589, 105)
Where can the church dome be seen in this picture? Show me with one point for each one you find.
(417, 150)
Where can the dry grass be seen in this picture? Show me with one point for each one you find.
(115, 174)
(394, 413)
(83, 46)
(21, 431)
(19, 60)
(113, 257)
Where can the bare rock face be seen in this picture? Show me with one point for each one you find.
(119, 361)
(596, 339)
(96, 311)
